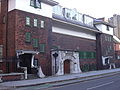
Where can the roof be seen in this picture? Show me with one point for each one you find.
(74, 23)
(50, 2)
(96, 21)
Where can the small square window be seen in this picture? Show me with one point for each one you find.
(28, 21)
(35, 22)
(42, 25)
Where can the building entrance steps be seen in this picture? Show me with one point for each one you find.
(67, 77)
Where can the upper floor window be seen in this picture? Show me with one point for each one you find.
(67, 13)
(35, 22)
(42, 48)
(35, 3)
(27, 36)
(35, 42)
(42, 25)
(58, 10)
(88, 20)
(27, 20)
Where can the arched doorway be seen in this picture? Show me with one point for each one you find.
(67, 66)
(66, 62)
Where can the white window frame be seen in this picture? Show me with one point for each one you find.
(28, 21)
(42, 24)
(35, 22)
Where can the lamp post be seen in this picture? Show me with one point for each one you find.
(55, 55)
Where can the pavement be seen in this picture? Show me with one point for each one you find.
(53, 79)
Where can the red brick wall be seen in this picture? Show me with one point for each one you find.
(3, 27)
(117, 47)
(73, 43)
(17, 29)
(66, 42)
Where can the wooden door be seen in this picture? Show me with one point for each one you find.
(67, 67)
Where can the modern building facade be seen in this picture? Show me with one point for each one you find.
(44, 38)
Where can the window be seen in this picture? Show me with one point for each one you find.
(87, 55)
(35, 42)
(80, 17)
(35, 3)
(58, 10)
(42, 48)
(42, 25)
(88, 20)
(28, 37)
(27, 20)
(35, 22)
(67, 13)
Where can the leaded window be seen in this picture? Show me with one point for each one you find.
(42, 25)
(35, 22)
(42, 47)
(27, 36)
(35, 3)
(35, 42)
(28, 21)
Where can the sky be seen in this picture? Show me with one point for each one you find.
(94, 8)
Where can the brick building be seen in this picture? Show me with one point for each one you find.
(75, 33)
(25, 35)
(105, 44)
(51, 40)
(115, 20)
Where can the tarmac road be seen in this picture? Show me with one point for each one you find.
(106, 83)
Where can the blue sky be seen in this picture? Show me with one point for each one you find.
(95, 8)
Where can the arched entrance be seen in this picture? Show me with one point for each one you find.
(65, 62)
(27, 62)
(67, 66)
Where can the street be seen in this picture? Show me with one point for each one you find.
(105, 83)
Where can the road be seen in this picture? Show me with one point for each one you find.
(105, 83)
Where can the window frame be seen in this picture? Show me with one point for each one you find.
(35, 3)
(42, 45)
(28, 37)
(35, 42)
(42, 24)
(35, 22)
(27, 21)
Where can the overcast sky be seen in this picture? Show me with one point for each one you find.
(94, 8)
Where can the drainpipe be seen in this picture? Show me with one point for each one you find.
(5, 21)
